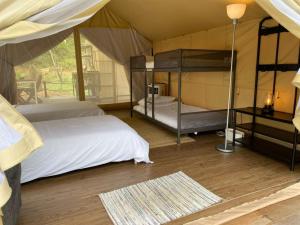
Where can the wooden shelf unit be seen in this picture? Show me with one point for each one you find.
(278, 151)
(272, 132)
(265, 147)
(268, 148)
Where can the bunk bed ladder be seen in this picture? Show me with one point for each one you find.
(145, 93)
(131, 104)
(152, 93)
(179, 99)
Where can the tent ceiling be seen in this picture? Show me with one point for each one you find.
(161, 19)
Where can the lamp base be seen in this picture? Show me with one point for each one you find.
(228, 149)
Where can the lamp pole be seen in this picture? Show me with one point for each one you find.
(228, 148)
(234, 11)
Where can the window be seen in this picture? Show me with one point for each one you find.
(105, 80)
(49, 77)
(52, 76)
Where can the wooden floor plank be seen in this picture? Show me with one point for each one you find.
(72, 199)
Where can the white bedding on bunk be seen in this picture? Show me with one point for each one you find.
(55, 111)
(167, 113)
(77, 143)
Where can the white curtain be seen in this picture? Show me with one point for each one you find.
(285, 12)
(37, 19)
(12, 55)
(18, 139)
(120, 44)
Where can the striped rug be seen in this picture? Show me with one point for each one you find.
(157, 201)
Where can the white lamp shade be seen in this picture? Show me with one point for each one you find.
(236, 11)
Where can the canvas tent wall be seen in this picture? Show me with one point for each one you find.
(202, 24)
(200, 88)
(110, 34)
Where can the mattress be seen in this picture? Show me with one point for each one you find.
(78, 143)
(54, 111)
(200, 118)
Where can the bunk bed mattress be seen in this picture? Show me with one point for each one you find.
(78, 143)
(199, 119)
(55, 111)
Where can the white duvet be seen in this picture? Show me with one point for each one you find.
(56, 111)
(77, 143)
(167, 112)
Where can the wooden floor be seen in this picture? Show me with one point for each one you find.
(155, 135)
(283, 213)
(72, 199)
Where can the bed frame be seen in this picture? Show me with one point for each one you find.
(177, 62)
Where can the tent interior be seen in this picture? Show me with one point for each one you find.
(106, 104)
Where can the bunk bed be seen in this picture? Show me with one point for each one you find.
(178, 117)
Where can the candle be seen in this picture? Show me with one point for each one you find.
(269, 100)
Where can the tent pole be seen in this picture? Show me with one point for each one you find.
(80, 79)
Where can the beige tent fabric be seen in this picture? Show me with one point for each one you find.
(119, 41)
(17, 149)
(44, 18)
(12, 12)
(283, 12)
(120, 44)
(15, 54)
(200, 89)
(247, 208)
(30, 140)
(105, 18)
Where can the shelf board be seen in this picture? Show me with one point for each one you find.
(269, 131)
(272, 30)
(270, 149)
(192, 69)
(277, 116)
(278, 67)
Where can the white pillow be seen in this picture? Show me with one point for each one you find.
(158, 100)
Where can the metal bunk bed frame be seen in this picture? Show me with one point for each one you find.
(166, 62)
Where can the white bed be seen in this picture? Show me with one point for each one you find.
(54, 111)
(77, 143)
(167, 112)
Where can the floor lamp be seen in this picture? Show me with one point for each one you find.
(234, 12)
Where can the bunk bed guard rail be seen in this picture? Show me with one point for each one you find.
(193, 60)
